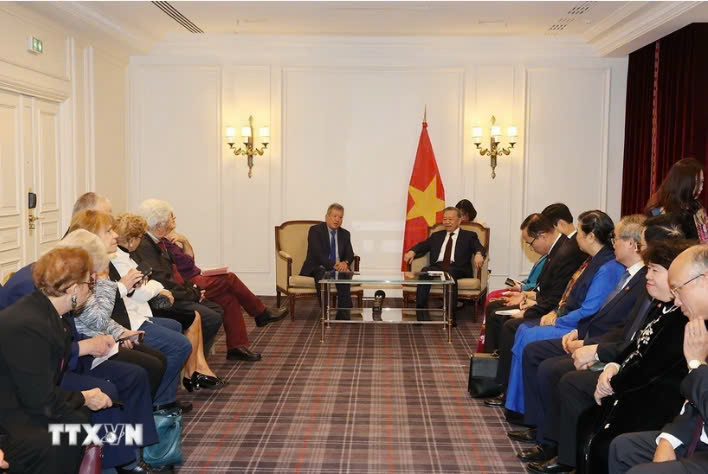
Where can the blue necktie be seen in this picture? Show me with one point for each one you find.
(618, 288)
(332, 248)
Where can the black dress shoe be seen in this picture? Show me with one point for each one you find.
(207, 381)
(242, 353)
(514, 417)
(183, 407)
(551, 466)
(496, 402)
(142, 466)
(187, 382)
(526, 436)
(267, 317)
(538, 454)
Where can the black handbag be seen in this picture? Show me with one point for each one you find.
(483, 371)
(159, 302)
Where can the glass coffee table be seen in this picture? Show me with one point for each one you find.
(387, 315)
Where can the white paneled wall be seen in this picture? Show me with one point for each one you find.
(345, 118)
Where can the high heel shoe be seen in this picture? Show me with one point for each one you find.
(206, 381)
(189, 384)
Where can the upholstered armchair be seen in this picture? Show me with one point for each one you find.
(290, 253)
(470, 289)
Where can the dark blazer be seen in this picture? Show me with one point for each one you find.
(563, 260)
(318, 249)
(466, 247)
(120, 312)
(695, 388)
(35, 345)
(616, 310)
(149, 254)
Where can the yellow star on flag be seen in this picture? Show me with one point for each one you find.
(426, 203)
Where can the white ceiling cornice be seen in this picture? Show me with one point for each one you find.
(610, 39)
(87, 20)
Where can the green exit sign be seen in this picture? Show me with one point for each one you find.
(34, 45)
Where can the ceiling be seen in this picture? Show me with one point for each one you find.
(612, 28)
(363, 18)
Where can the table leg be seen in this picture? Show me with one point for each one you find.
(322, 304)
(450, 309)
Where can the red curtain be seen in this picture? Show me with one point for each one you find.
(680, 109)
(636, 174)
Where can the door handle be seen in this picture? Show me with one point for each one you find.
(31, 218)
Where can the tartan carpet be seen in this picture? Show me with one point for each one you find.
(371, 398)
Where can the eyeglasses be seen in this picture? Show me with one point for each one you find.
(530, 244)
(675, 291)
(91, 284)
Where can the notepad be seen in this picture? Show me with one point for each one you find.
(215, 271)
(100, 360)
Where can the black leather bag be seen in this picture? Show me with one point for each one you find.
(483, 371)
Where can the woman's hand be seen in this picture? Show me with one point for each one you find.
(604, 389)
(129, 343)
(97, 346)
(131, 278)
(549, 319)
(96, 400)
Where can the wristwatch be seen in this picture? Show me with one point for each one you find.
(694, 364)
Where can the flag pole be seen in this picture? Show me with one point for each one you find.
(425, 113)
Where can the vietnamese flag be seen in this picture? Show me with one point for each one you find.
(426, 195)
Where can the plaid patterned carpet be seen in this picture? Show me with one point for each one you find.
(371, 398)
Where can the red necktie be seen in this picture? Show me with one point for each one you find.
(448, 253)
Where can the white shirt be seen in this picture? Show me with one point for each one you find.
(633, 271)
(455, 234)
(137, 305)
(675, 442)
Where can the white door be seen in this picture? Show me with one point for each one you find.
(29, 161)
(12, 225)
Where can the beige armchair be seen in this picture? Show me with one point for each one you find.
(471, 289)
(290, 253)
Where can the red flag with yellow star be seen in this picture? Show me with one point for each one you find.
(426, 195)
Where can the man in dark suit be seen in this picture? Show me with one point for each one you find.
(614, 311)
(682, 445)
(451, 251)
(329, 248)
(564, 258)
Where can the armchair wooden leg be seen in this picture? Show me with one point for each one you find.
(291, 306)
(360, 299)
(277, 298)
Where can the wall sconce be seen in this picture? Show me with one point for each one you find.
(494, 149)
(247, 135)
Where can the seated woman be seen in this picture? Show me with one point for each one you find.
(130, 229)
(163, 334)
(469, 213)
(35, 343)
(529, 284)
(585, 294)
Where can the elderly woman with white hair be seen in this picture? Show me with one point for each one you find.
(225, 289)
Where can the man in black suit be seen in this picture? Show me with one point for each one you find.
(682, 445)
(329, 248)
(564, 258)
(451, 251)
(613, 312)
(558, 218)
